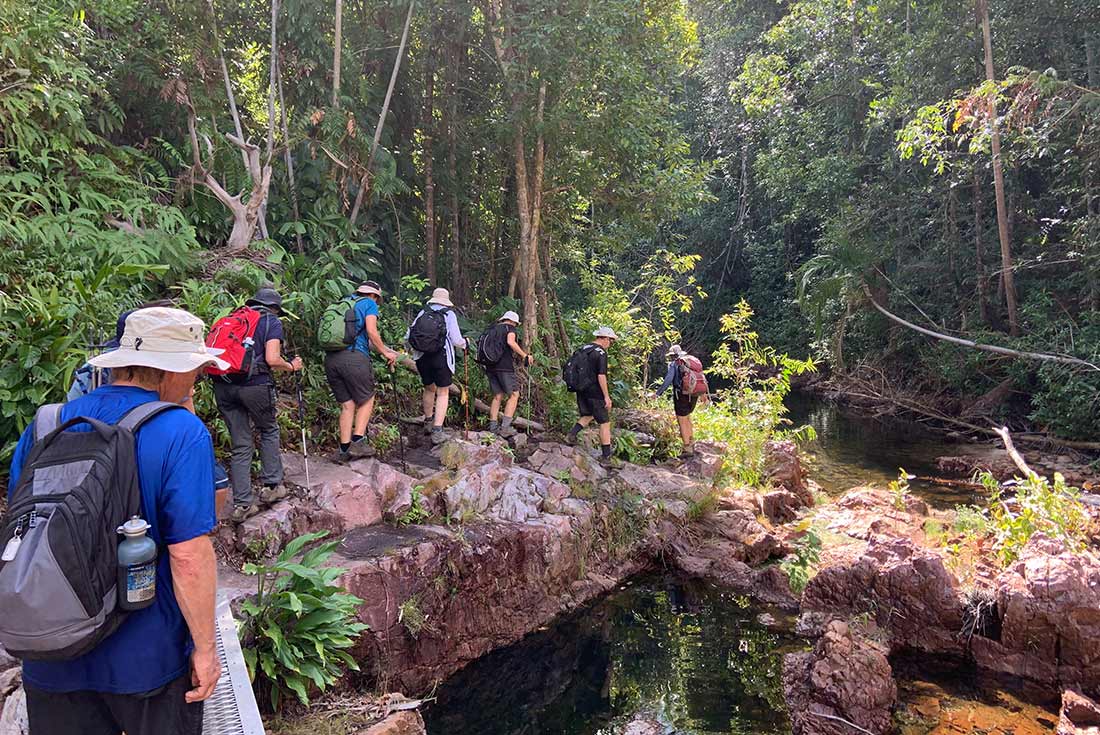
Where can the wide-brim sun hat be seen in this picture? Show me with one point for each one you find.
(162, 338)
(369, 288)
(266, 296)
(441, 296)
(675, 351)
(605, 332)
(509, 316)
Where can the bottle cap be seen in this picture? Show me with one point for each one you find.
(136, 526)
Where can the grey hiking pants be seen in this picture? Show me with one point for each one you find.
(244, 407)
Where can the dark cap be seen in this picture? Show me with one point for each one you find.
(266, 296)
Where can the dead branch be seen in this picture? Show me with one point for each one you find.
(841, 719)
(1041, 356)
(1017, 458)
(361, 194)
(123, 225)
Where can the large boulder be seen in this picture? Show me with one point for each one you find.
(657, 482)
(399, 723)
(706, 463)
(567, 464)
(484, 448)
(1048, 608)
(908, 590)
(781, 506)
(265, 533)
(1080, 715)
(863, 512)
(394, 488)
(784, 470)
(846, 679)
(503, 492)
(13, 718)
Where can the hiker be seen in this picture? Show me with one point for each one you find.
(586, 375)
(246, 400)
(685, 377)
(434, 336)
(88, 378)
(151, 674)
(349, 369)
(496, 352)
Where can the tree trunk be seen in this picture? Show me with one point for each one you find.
(337, 49)
(288, 157)
(452, 175)
(1092, 59)
(1007, 272)
(979, 254)
(953, 245)
(431, 246)
(365, 181)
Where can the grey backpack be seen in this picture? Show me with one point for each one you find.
(59, 540)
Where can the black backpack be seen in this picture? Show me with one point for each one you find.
(428, 332)
(492, 345)
(59, 568)
(577, 372)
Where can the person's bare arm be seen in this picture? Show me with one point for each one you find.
(273, 356)
(606, 393)
(375, 338)
(513, 344)
(195, 582)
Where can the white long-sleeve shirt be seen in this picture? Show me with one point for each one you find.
(455, 340)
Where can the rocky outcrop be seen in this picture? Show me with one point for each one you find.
(1080, 715)
(503, 492)
(13, 703)
(1048, 612)
(863, 512)
(268, 531)
(907, 589)
(399, 723)
(642, 725)
(568, 464)
(652, 482)
(784, 470)
(845, 679)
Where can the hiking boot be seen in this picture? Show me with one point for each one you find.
(339, 457)
(506, 429)
(271, 494)
(437, 435)
(571, 439)
(362, 448)
(242, 513)
(688, 451)
(494, 426)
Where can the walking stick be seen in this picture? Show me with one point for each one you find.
(466, 389)
(302, 423)
(397, 411)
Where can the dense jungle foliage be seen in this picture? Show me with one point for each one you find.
(643, 163)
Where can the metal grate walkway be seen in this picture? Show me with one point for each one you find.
(232, 709)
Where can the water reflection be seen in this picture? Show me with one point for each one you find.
(688, 655)
(855, 450)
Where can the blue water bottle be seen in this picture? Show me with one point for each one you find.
(137, 566)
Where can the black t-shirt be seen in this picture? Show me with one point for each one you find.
(507, 362)
(268, 328)
(597, 365)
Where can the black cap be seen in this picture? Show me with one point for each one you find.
(266, 296)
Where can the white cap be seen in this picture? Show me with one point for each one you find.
(162, 338)
(509, 316)
(441, 296)
(675, 351)
(605, 332)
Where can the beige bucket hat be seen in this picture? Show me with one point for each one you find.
(509, 316)
(441, 296)
(162, 338)
(605, 332)
(675, 351)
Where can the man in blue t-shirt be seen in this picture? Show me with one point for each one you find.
(151, 676)
(250, 404)
(350, 373)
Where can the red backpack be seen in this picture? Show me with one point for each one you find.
(693, 382)
(236, 335)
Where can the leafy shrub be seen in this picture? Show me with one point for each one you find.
(417, 512)
(297, 631)
(801, 565)
(1037, 507)
(625, 446)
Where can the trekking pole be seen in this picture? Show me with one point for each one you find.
(302, 423)
(530, 383)
(397, 412)
(466, 388)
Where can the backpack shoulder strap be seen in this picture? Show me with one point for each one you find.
(46, 420)
(138, 415)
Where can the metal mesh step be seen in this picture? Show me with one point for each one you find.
(232, 709)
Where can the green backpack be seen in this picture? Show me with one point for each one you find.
(339, 326)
